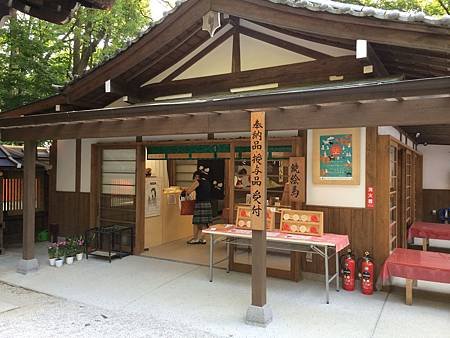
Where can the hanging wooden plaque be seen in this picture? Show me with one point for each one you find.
(258, 158)
(296, 180)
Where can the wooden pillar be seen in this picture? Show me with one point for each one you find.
(29, 199)
(258, 313)
(140, 198)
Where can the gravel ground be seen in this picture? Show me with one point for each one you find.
(25, 313)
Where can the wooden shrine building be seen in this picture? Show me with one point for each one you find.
(195, 77)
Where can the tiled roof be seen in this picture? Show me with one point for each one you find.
(365, 11)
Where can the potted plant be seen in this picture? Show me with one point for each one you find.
(71, 250)
(80, 248)
(60, 254)
(52, 251)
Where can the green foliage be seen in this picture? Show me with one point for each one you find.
(430, 7)
(36, 56)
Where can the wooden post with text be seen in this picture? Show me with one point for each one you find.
(258, 312)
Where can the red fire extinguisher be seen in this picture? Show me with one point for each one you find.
(367, 274)
(348, 270)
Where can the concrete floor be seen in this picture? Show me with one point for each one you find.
(37, 315)
(180, 251)
(181, 293)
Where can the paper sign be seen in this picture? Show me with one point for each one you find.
(370, 197)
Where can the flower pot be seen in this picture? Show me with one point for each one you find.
(69, 260)
(59, 263)
(79, 256)
(52, 261)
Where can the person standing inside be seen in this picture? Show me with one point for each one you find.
(202, 218)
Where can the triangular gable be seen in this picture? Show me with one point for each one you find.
(256, 54)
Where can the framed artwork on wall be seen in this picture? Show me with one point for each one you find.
(336, 156)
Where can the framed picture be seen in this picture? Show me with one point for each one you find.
(336, 156)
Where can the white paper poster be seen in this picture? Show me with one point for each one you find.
(152, 196)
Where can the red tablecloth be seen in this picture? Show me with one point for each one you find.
(429, 230)
(418, 265)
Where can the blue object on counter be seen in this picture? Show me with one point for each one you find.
(444, 215)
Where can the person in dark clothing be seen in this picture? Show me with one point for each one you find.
(202, 211)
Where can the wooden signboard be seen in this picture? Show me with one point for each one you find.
(296, 179)
(336, 156)
(243, 218)
(302, 222)
(258, 159)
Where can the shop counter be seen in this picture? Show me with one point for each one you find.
(427, 231)
(327, 246)
(416, 265)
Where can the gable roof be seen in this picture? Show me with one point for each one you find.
(179, 32)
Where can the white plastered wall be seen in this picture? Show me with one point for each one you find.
(66, 165)
(66, 161)
(436, 166)
(352, 196)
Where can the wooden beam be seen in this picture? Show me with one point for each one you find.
(78, 167)
(379, 68)
(216, 43)
(283, 44)
(335, 42)
(236, 58)
(346, 115)
(339, 26)
(147, 72)
(348, 93)
(286, 76)
(47, 104)
(29, 199)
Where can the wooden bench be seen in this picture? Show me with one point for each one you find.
(414, 265)
(427, 231)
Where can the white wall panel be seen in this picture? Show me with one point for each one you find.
(436, 166)
(66, 165)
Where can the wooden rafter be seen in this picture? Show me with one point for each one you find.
(379, 68)
(334, 42)
(216, 43)
(146, 72)
(283, 44)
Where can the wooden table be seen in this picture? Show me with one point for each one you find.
(427, 231)
(414, 265)
(326, 246)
